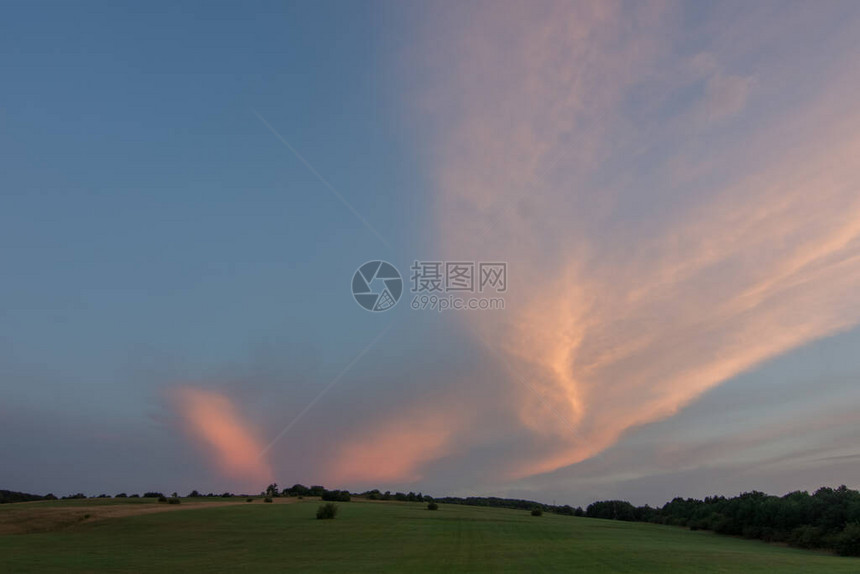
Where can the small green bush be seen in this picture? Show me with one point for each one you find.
(162, 498)
(249, 500)
(173, 500)
(537, 512)
(327, 511)
(267, 499)
(432, 506)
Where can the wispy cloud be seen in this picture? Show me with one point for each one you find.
(395, 448)
(659, 241)
(211, 419)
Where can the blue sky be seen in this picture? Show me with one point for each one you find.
(672, 187)
(147, 207)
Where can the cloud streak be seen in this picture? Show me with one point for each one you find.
(212, 421)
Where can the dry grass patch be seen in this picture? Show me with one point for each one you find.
(30, 518)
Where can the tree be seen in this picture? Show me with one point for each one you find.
(336, 495)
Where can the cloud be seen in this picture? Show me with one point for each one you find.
(210, 418)
(395, 448)
(649, 260)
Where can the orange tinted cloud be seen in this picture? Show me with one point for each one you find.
(396, 449)
(650, 258)
(212, 420)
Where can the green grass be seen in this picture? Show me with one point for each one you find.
(391, 537)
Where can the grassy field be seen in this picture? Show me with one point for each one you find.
(226, 536)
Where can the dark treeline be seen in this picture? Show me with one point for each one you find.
(7, 496)
(828, 519)
(514, 503)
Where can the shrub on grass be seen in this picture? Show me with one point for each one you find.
(267, 499)
(327, 511)
(847, 542)
(537, 512)
(432, 506)
(162, 498)
(173, 500)
(249, 500)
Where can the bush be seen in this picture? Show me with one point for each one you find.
(537, 512)
(847, 543)
(267, 499)
(432, 506)
(807, 537)
(173, 500)
(327, 511)
(162, 498)
(249, 500)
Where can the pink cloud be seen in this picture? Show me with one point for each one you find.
(214, 423)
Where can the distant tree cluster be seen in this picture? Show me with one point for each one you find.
(375, 494)
(336, 495)
(514, 503)
(9, 496)
(302, 490)
(828, 519)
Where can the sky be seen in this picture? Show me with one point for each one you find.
(186, 193)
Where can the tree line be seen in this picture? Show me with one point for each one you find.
(827, 519)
